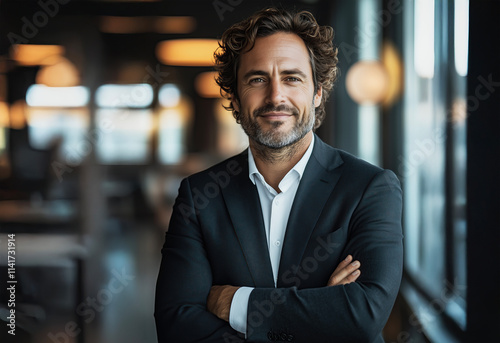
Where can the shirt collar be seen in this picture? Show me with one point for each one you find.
(253, 172)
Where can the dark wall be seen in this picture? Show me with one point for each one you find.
(483, 181)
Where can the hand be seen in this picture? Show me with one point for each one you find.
(346, 272)
(219, 300)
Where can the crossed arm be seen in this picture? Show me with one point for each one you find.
(190, 309)
(220, 297)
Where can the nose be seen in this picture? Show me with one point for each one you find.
(275, 93)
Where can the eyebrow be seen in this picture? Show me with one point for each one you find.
(265, 73)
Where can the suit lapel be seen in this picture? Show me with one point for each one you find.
(317, 183)
(242, 201)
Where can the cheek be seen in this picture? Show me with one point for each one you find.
(251, 99)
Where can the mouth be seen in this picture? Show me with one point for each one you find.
(275, 115)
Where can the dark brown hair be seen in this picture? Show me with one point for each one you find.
(241, 36)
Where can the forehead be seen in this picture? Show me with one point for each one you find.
(280, 50)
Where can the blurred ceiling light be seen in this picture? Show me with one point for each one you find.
(169, 95)
(206, 86)
(18, 115)
(175, 24)
(63, 73)
(125, 96)
(32, 54)
(43, 96)
(179, 25)
(187, 52)
(424, 38)
(4, 114)
(367, 82)
(393, 64)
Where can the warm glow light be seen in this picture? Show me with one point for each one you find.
(43, 96)
(424, 38)
(206, 86)
(121, 96)
(169, 95)
(367, 82)
(32, 54)
(4, 114)
(391, 60)
(175, 24)
(187, 52)
(18, 115)
(127, 25)
(61, 74)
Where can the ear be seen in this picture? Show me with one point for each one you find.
(235, 103)
(318, 96)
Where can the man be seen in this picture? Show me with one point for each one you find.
(267, 245)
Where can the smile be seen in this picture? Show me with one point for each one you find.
(275, 115)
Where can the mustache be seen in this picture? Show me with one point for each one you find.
(271, 108)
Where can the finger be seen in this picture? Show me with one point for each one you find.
(340, 275)
(351, 277)
(343, 264)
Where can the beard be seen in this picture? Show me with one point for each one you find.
(273, 138)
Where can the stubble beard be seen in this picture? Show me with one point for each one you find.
(273, 142)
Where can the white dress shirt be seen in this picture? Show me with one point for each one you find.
(275, 212)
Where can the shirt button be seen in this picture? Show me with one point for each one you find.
(277, 243)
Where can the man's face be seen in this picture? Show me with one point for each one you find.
(276, 91)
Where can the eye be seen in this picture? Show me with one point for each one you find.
(257, 80)
(292, 79)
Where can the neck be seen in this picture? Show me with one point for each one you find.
(274, 164)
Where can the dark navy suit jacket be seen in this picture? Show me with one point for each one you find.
(216, 237)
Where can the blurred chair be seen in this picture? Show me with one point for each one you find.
(29, 168)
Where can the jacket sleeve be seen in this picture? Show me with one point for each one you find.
(356, 312)
(184, 281)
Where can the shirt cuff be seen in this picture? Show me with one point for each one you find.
(239, 309)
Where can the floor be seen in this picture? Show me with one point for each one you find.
(128, 268)
(117, 302)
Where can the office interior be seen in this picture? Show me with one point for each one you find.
(106, 105)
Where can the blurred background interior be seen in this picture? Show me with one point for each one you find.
(106, 105)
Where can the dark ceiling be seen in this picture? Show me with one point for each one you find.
(103, 57)
(99, 56)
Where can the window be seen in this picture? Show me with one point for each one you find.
(58, 113)
(124, 123)
(174, 120)
(433, 165)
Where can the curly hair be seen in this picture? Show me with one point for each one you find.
(240, 38)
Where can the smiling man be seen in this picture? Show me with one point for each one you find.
(269, 245)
